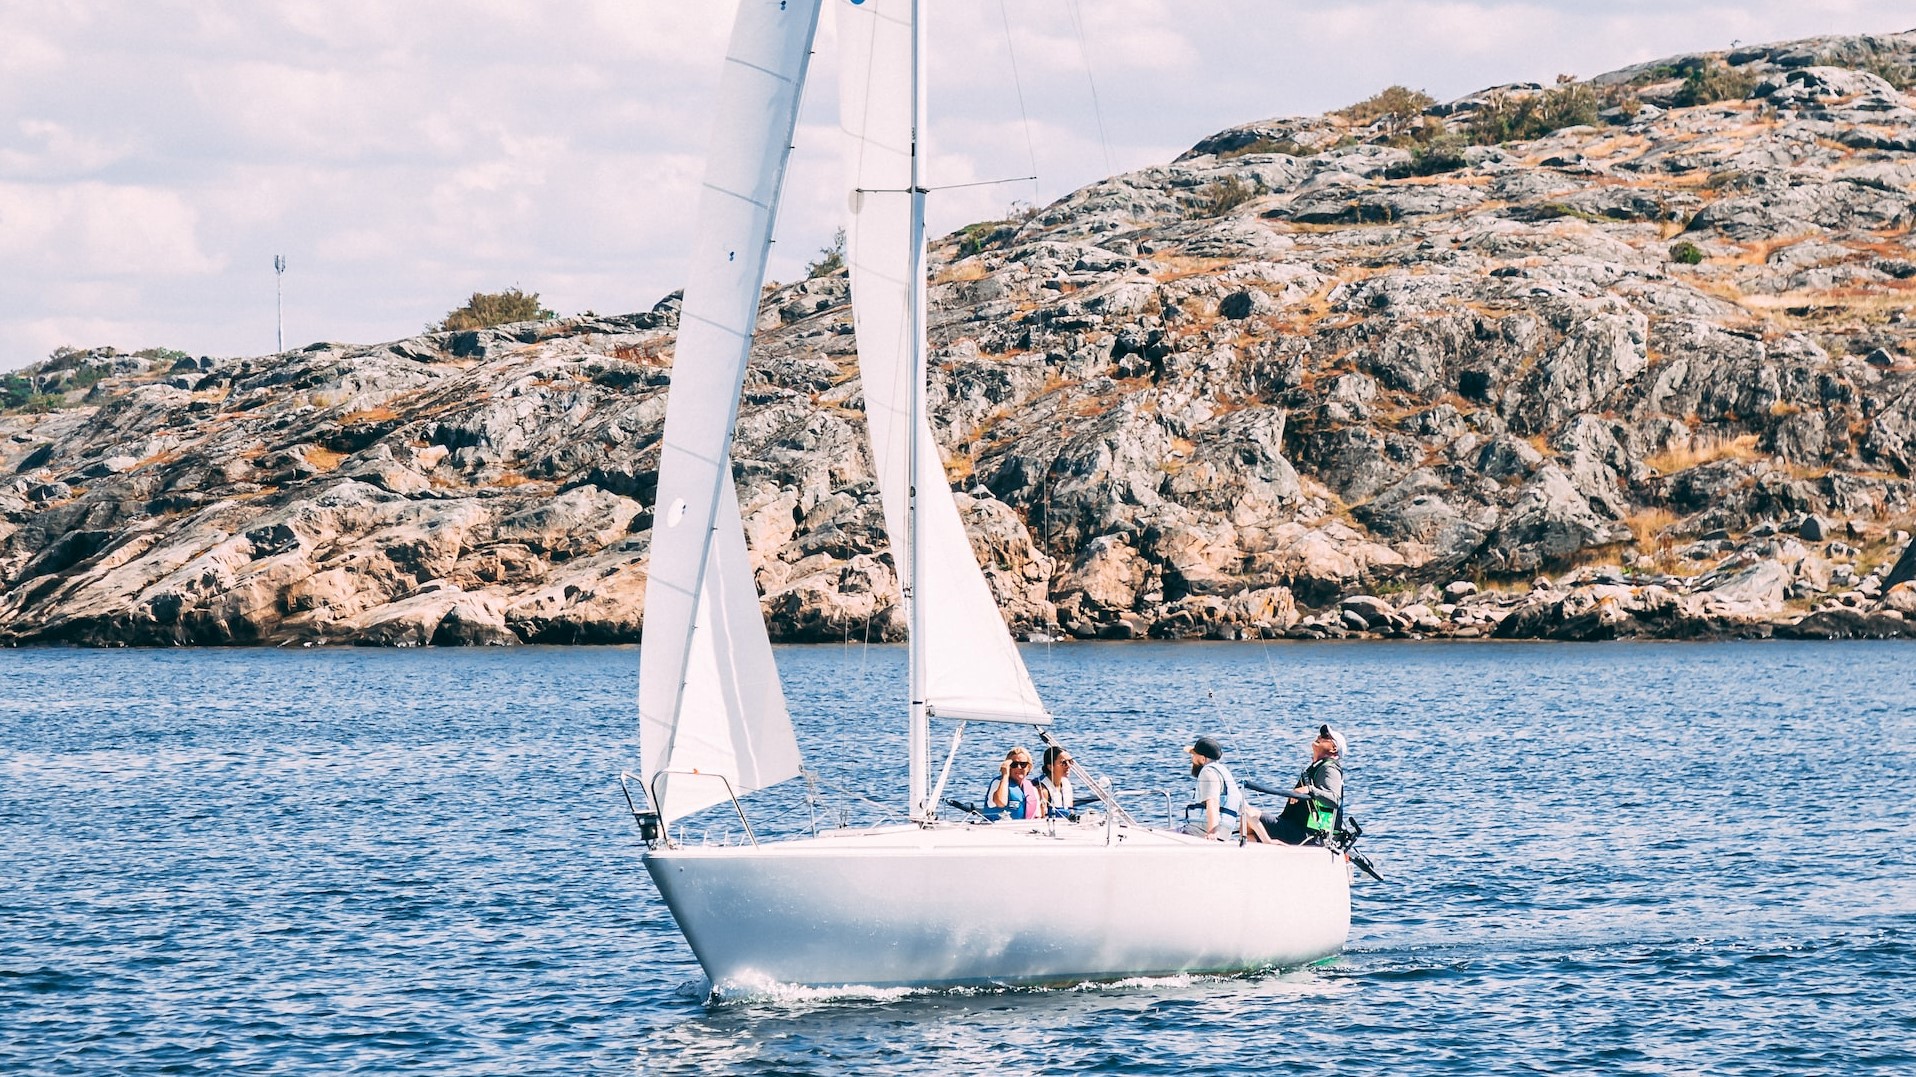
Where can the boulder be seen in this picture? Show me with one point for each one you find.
(1902, 599)
(1371, 612)
(1753, 592)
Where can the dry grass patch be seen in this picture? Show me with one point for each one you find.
(380, 414)
(645, 353)
(1177, 455)
(1179, 266)
(1758, 252)
(969, 270)
(323, 458)
(1053, 381)
(1704, 450)
(959, 467)
(1846, 305)
(1647, 527)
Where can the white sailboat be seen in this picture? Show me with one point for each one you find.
(912, 903)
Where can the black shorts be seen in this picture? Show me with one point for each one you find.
(1287, 827)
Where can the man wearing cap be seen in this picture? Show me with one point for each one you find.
(1312, 810)
(1217, 792)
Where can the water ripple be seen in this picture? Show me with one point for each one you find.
(1624, 859)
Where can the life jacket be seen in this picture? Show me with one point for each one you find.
(1021, 800)
(1228, 796)
(1059, 810)
(1320, 814)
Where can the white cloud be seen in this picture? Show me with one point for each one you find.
(45, 150)
(154, 157)
(56, 233)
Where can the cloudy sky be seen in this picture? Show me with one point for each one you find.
(155, 156)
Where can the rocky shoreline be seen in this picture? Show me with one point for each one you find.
(1627, 357)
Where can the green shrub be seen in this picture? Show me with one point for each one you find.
(984, 235)
(67, 357)
(1219, 197)
(831, 259)
(1522, 117)
(1444, 153)
(1571, 104)
(1898, 73)
(1710, 82)
(1397, 107)
(1686, 252)
(495, 308)
(18, 394)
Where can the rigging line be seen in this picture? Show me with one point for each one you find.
(941, 186)
(1024, 116)
(980, 183)
(1097, 108)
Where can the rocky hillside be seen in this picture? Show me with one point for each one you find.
(1630, 356)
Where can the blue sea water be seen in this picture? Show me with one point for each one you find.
(1617, 859)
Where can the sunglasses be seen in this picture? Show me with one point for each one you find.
(1021, 762)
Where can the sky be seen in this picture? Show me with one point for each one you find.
(156, 157)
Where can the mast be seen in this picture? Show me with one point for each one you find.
(919, 734)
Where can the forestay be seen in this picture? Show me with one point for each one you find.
(972, 667)
(709, 694)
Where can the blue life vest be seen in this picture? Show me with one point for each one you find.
(1014, 801)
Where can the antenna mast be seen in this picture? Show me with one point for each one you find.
(279, 308)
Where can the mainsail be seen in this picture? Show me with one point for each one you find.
(972, 668)
(709, 695)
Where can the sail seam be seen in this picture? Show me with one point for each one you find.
(716, 325)
(747, 64)
(740, 195)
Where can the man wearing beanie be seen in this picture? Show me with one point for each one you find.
(1217, 792)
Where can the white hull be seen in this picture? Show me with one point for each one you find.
(1009, 903)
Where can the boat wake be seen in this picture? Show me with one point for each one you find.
(792, 997)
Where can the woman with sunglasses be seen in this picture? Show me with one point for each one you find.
(1013, 795)
(1055, 786)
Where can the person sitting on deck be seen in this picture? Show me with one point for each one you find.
(1055, 787)
(1013, 795)
(1217, 792)
(1311, 813)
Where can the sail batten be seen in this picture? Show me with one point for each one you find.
(710, 702)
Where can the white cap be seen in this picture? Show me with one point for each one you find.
(1337, 738)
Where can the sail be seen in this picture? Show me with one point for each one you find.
(972, 667)
(709, 694)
